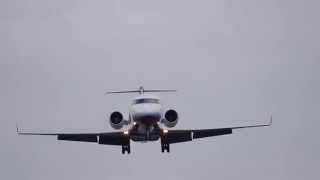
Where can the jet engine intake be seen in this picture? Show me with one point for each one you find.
(116, 120)
(170, 118)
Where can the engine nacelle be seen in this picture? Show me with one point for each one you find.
(116, 120)
(170, 118)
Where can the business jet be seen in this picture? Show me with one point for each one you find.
(147, 121)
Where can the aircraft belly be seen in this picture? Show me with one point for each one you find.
(145, 132)
(144, 137)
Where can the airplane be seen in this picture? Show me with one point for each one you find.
(147, 122)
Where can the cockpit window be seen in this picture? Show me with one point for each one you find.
(148, 100)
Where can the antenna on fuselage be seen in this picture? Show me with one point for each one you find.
(141, 90)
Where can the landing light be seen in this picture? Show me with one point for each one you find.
(165, 131)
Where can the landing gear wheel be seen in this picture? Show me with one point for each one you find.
(165, 147)
(126, 148)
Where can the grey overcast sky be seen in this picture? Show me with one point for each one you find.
(233, 63)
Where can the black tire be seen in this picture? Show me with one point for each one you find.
(123, 150)
(128, 149)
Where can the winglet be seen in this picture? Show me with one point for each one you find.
(17, 128)
(270, 123)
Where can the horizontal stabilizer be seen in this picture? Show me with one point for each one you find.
(141, 90)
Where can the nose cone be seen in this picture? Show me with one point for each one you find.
(146, 113)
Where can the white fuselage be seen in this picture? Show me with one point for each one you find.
(146, 109)
(145, 113)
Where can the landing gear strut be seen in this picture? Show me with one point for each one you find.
(126, 148)
(165, 147)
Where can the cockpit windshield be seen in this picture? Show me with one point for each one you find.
(146, 100)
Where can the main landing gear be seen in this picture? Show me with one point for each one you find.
(165, 147)
(126, 148)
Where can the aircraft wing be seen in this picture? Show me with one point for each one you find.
(177, 136)
(109, 138)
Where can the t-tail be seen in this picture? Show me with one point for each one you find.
(141, 90)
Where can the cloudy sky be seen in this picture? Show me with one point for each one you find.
(232, 62)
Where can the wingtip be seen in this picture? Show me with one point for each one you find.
(270, 123)
(17, 128)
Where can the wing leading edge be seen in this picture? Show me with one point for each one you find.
(111, 138)
(177, 136)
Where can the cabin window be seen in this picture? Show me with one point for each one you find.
(140, 101)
